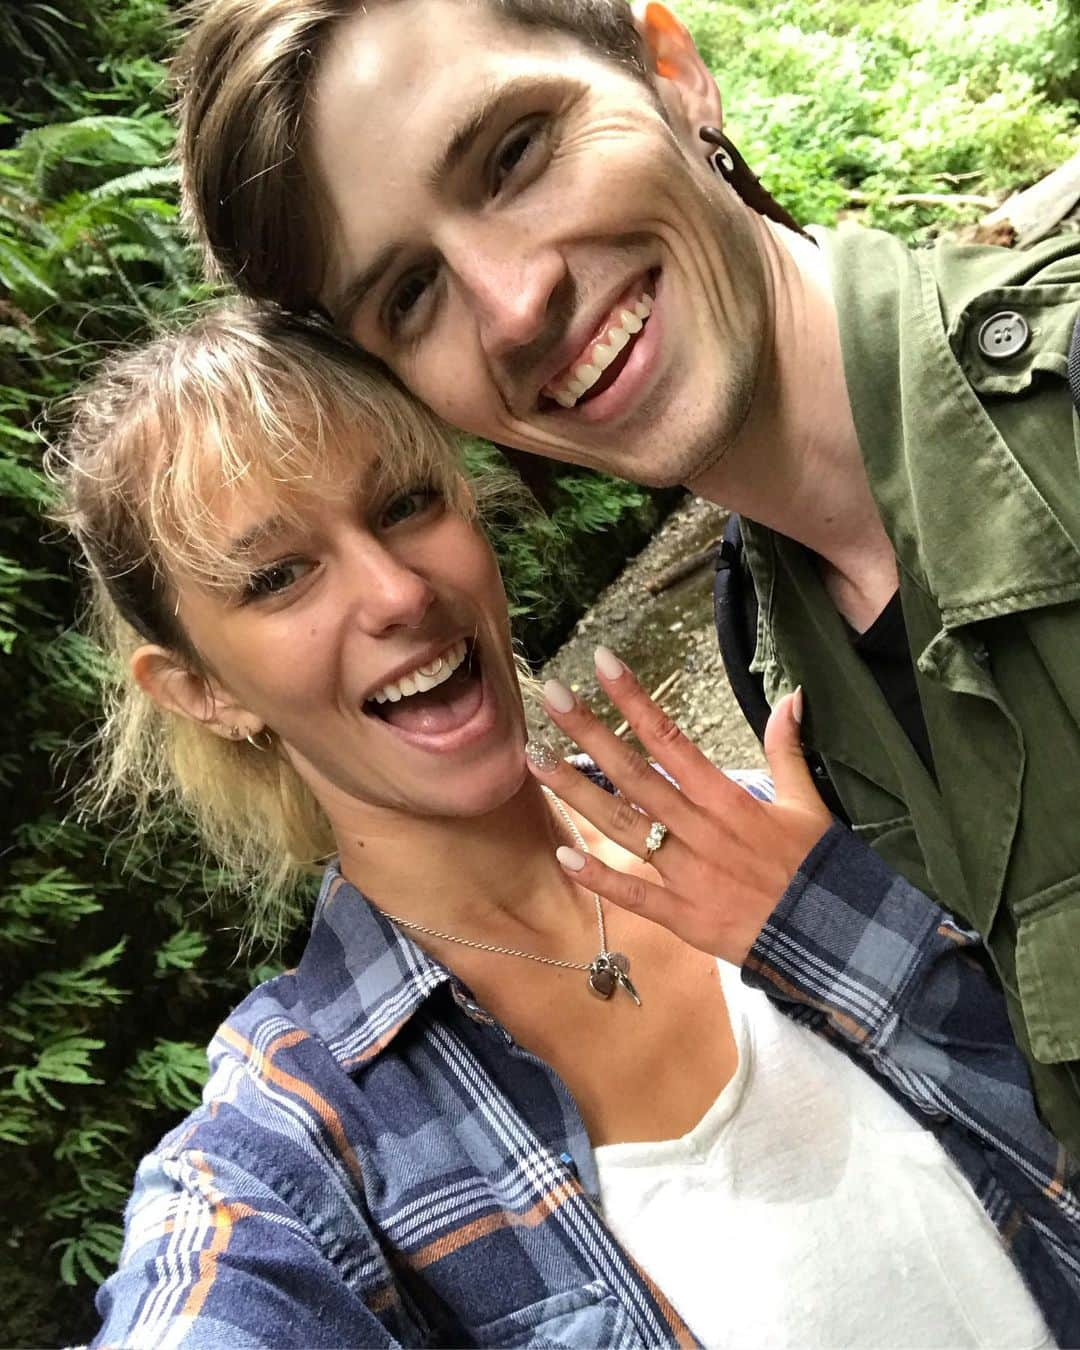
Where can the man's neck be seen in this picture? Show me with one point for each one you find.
(796, 466)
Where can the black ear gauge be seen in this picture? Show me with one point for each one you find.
(721, 159)
(726, 161)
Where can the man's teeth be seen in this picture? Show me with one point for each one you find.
(584, 375)
(424, 677)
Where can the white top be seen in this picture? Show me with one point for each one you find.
(808, 1209)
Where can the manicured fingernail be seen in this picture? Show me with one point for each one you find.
(558, 696)
(797, 705)
(607, 663)
(541, 756)
(570, 858)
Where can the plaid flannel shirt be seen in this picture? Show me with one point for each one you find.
(377, 1163)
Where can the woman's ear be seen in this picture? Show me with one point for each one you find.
(684, 81)
(174, 686)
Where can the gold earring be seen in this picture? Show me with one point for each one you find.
(263, 731)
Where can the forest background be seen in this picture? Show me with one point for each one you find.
(115, 965)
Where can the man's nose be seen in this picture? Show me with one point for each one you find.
(387, 592)
(511, 282)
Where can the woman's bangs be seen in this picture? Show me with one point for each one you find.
(287, 464)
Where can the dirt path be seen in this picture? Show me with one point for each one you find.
(664, 635)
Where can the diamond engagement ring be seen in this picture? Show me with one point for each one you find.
(656, 836)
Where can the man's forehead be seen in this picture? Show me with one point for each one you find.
(407, 44)
(397, 85)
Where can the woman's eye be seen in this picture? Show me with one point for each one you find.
(513, 150)
(409, 504)
(274, 579)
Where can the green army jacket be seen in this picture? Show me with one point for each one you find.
(972, 448)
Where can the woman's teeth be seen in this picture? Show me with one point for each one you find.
(584, 375)
(424, 677)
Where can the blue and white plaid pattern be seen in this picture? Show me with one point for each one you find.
(377, 1163)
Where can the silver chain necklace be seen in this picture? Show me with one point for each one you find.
(607, 971)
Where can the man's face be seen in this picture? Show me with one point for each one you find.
(519, 233)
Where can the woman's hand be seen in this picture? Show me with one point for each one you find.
(727, 857)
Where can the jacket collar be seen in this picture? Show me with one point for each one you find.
(965, 518)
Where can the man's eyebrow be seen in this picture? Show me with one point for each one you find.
(472, 125)
(459, 145)
(361, 283)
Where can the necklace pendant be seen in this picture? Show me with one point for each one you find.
(611, 971)
(602, 978)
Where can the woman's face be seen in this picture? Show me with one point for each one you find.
(369, 632)
(532, 241)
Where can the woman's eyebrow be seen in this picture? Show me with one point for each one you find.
(355, 488)
(257, 535)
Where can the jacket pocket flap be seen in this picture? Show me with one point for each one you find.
(1048, 970)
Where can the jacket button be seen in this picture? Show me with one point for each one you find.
(1004, 334)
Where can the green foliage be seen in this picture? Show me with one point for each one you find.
(888, 97)
(556, 560)
(114, 969)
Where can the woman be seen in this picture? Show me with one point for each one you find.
(509, 1095)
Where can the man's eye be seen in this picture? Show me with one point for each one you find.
(408, 504)
(516, 147)
(274, 579)
(408, 294)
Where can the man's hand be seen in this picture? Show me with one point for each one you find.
(727, 858)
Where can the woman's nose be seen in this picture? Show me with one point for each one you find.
(388, 593)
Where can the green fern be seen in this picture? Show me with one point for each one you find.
(169, 1073)
(92, 1252)
(47, 998)
(64, 1060)
(182, 950)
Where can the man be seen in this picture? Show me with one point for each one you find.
(511, 204)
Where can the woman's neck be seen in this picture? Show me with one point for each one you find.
(489, 878)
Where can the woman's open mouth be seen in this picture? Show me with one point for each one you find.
(440, 705)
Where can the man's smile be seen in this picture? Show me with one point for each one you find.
(614, 338)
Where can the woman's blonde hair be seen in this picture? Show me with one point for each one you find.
(244, 394)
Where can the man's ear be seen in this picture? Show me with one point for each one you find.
(685, 82)
(174, 686)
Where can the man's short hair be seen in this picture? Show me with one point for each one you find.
(245, 74)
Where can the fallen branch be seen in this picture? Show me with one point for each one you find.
(685, 567)
(664, 687)
(924, 199)
(1028, 216)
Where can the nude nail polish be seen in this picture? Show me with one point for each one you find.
(607, 663)
(570, 858)
(558, 696)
